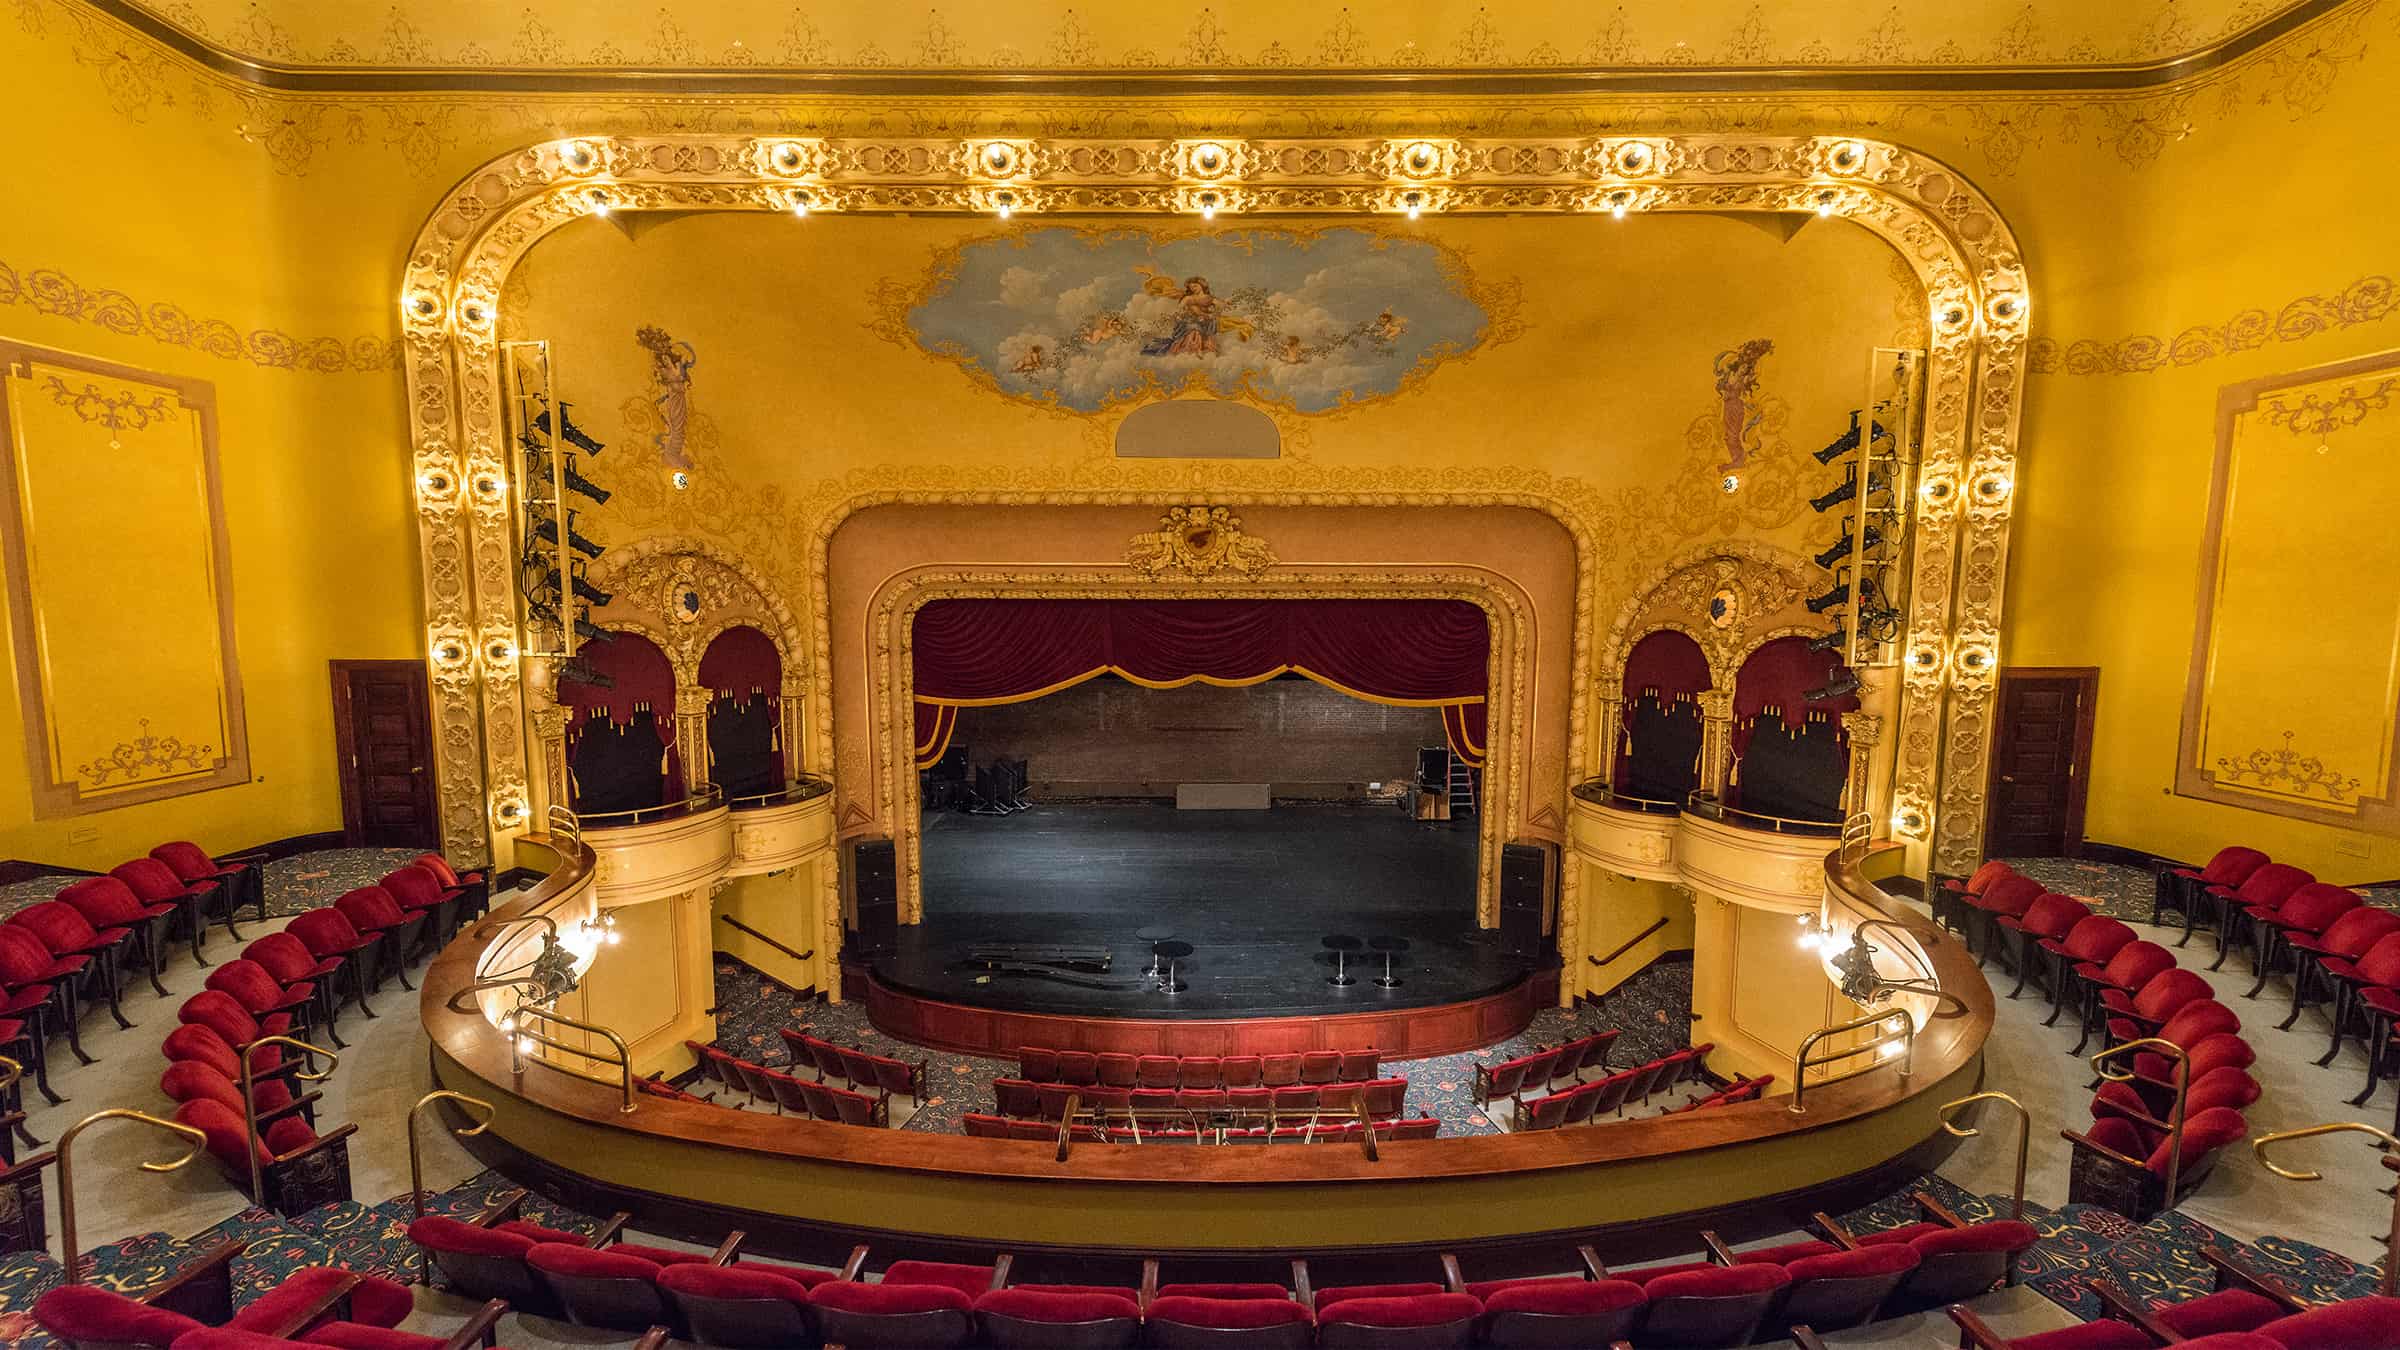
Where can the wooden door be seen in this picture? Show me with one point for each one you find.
(383, 736)
(2041, 761)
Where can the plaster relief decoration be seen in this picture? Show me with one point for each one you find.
(112, 481)
(1200, 541)
(2301, 719)
(1086, 320)
(664, 416)
(1737, 387)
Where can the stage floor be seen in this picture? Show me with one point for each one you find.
(1254, 892)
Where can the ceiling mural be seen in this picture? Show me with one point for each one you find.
(1092, 319)
(1280, 35)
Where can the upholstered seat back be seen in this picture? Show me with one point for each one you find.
(2136, 964)
(2096, 937)
(2314, 906)
(221, 1014)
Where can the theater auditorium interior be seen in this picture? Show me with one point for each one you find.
(1219, 675)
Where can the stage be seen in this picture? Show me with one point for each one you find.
(1253, 892)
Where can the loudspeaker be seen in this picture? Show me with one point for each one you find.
(1528, 873)
(875, 892)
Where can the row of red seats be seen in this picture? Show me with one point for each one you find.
(856, 1068)
(1381, 1099)
(1196, 1127)
(2129, 990)
(1083, 1068)
(1578, 1105)
(810, 1098)
(2243, 1310)
(1732, 1094)
(193, 1310)
(1569, 1060)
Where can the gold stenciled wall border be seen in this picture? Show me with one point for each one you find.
(1944, 228)
(893, 631)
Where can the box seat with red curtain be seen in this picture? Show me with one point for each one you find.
(80, 954)
(2091, 942)
(289, 961)
(2135, 964)
(239, 879)
(2267, 888)
(199, 1295)
(145, 897)
(2008, 898)
(2317, 959)
(2305, 913)
(2051, 916)
(1951, 899)
(2181, 888)
(416, 890)
(330, 936)
(247, 982)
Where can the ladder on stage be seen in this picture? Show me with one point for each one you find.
(1462, 787)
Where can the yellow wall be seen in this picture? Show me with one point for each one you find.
(782, 905)
(1614, 909)
(2140, 214)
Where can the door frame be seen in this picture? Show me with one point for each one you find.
(2079, 777)
(345, 735)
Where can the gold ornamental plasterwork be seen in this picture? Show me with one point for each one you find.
(46, 290)
(2289, 75)
(147, 757)
(893, 678)
(1961, 251)
(1199, 541)
(2366, 300)
(1760, 580)
(2313, 414)
(2285, 772)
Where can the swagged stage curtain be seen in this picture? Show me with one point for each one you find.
(1412, 653)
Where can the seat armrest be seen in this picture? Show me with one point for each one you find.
(203, 1288)
(481, 1329)
(2122, 1307)
(1592, 1268)
(856, 1263)
(1832, 1230)
(727, 1251)
(301, 1318)
(1717, 1250)
(611, 1230)
(1452, 1278)
(502, 1209)
(302, 1102)
(1937, 1211)
(653, 1339)
(2081, 1140)
(1973, 1332)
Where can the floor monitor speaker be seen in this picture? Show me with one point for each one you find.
(875, 889)
(1528, 874)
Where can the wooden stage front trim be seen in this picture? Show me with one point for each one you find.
(1400, 1033)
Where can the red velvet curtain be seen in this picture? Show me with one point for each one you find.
(639, 673)
(1422, 653)
(1668, 662)
(1777, 676)
(743, 662)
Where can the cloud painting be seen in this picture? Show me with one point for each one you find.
(1093, 319)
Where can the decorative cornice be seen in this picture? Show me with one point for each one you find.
(46, 290)
(1205, 65)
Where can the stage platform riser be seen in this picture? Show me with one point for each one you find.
(1401, 1033)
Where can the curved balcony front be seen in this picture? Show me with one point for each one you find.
(1633, 836)
(776, 830)
(663, 851)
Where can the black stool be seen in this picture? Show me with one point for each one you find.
(1389, 946)
(1342, 944)
(1154, 935)
(1172, 952)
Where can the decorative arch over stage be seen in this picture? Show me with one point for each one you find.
(1411, 653)
(1961, 251)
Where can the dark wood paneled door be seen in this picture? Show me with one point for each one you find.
(383, 735)
(2041, 761)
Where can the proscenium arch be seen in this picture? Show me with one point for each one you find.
(1962, 251)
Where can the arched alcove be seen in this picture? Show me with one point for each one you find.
(621, 735)
(1658, 746)
(743, 674)
(1790, 754)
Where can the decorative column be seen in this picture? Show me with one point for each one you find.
(691, 735)
(1607, 717)
(791, 714)
(1866, 731)
(1716, 740)
(549, 782)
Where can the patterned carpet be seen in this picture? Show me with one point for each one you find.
(2125, 892)
(1652, 1011)
(294, 885)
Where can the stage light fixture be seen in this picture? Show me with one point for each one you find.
(1864, 985)
(1841, 684)
(1828, 642)
(1849, 489)
(1841, 548)
(1848, 441)
(1839, 595)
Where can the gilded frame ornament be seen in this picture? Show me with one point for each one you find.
(1947, 231)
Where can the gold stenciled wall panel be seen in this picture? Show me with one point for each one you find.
(123, 637)
(2295, 677)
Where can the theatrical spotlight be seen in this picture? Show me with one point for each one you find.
(585, 590)
(547, 532)
(567, 430)
(1846, 442)
(576, 482)
(1842, 683)
(1848, 489)
(1828, 642)
(1839, 595)
(1841, 547)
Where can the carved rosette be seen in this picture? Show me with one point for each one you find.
(1961, 250)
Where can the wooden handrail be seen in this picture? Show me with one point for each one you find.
(518, 1033)
(738, 926)
(1628, 946)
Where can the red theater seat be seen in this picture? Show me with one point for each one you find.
(2052, 917)
(1429, 1321)
(2115, 1166)
(393, 931)
(612, 1287)
(239, 880)
(329, 936)
(753, 1306)
(1950, 899)
(145, 897)
(2263, 890)
(892, 1317)
(1060, 1317)
(2122, 976)
(1270, 1321)
(417, 891)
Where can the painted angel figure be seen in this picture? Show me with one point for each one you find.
(1199, 316)
(671, 363)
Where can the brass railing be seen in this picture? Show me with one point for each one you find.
(2016, 1198)
(1203, 1121)
(2183, 1077)
(1628, 944)
(66, 1172)
(250, 1095)
(706, 797)
(1710, 808)
(1905, 1037)
(564, 824)
(805, 788)
(2389, 1284)
(514, 1028)
(1598, 792)
(473, 1106)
